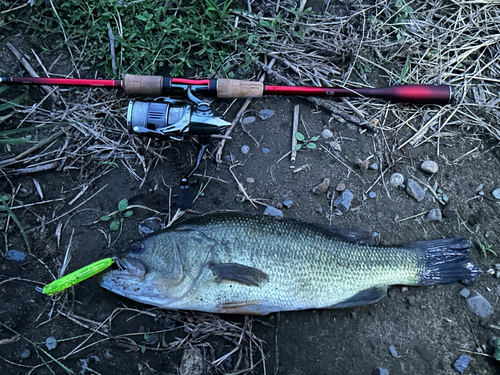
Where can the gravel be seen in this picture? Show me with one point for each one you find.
(344, 201)
(248, 120)
(327, 134)
(245, 149)
(461, 363)
(479, 305)
(413, 189)
(393, 351)
(25, 354)
(288, 203)
(51, 343)
(322, 188)
(264, 114)
(374, 166)
(265, 150)
(271, 211)
(496, 193)
(429, 166)
(380, 371)
(15, 255)
(397, 179)
(434, 215)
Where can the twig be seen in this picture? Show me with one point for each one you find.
(294, 131)
(112, 48)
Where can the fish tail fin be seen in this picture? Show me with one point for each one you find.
(445, 261)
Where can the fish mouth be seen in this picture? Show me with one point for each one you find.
(133, 281)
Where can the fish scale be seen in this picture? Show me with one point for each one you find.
(235, 263)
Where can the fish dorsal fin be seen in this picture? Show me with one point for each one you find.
(364, 297)
(238, 273)
(349, 234)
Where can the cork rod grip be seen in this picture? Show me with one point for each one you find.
(142, 85)
(233, 88)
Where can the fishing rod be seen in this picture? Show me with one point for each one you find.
(173, 119)
(232, 88)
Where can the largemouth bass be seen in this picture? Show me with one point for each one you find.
(245, 264)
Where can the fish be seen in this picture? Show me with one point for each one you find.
(236, 263)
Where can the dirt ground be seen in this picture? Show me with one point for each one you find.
(430, 327)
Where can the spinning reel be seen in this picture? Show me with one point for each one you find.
(174, 119)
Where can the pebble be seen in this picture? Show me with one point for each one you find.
(340, 187)
(461, 363)
(450, 211)
(327, 134)
(322, 188)
(372, 194)
(51, 342)
(15, 255)
(265, 150)
(272, 211)
(264, 114)
(497, 266)
(245, 149)
(374, 166)
(25, 354)
(496, 193)
(150, 225)
(413, 189)
(479, 188)
(479, 305)
(319, 210)
(397, 179)
(434, 215)
(465, 292)
(250, 180)
(344, 201)
(288, 203)
(429, 166)
(380, 371)
(248, 120)
(393, 351)
(230, 158)
(192, 362)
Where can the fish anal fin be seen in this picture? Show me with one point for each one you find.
(238, 273)
(240, 307)
(364, 297)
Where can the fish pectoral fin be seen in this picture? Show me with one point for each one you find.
(240, 307)
(239, 273)
(364, 297)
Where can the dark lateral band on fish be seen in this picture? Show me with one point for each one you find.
(249, 264)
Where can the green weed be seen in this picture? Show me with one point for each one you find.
(150, 36)
(306, 143)
(486, 248)
(117, 216)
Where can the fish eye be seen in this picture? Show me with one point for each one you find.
(137, 247)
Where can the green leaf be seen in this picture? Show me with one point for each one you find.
(122, 205)
(314, 139)
(311, 145)
(128, 213)
(105, 218)
(299, 136)
(115, 225)
(298, 147)
(143, 349)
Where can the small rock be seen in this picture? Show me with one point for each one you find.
(327, 134)
(481, 193)
(374, 166)
(248, 120)
(363, 164)
(340, 187)
(444, 198)
(150, 225)
(192, 362)
(465, 292)
(288, 203)
(429, 166)
(344, 201)
(397, 179)
(15, 255)
(380, 371)
(25, 354)
(434, 215)
(496, 193)
(461, 363)
(393, 351)
(51, 343)
(491, 271)
(497, 266)
(479, 305)
(319, 210)
(479, 188)
(335, 145)
(264, 114)
(413, 189)
(450, 211)
(322, 188)
(245, 149)
(265, 150)
(250, 180)
(372, 194)
(497, 274)
(230, 158)
(272, 211)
